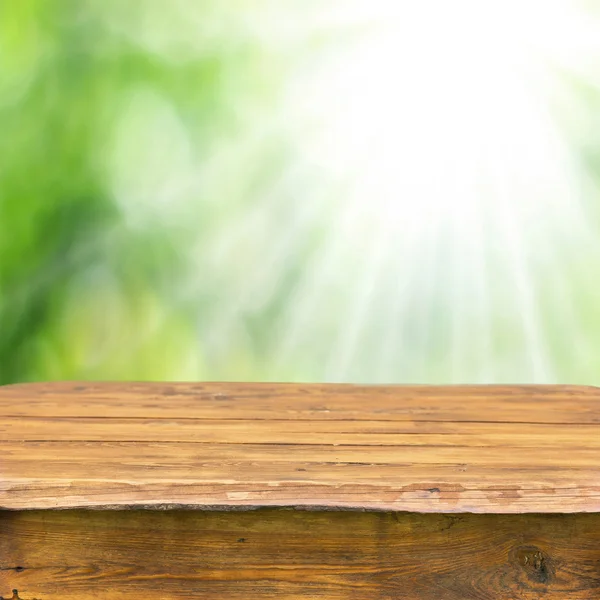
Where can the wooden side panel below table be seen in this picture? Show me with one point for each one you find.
(290, 554)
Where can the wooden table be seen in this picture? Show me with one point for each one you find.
(252, 491)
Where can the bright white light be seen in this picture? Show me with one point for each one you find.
(437, 121)
(424, 142)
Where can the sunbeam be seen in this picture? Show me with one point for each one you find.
(438, 126)
(311, 190)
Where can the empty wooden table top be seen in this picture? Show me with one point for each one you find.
(482, 449)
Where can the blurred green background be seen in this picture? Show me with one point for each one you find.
(294, 190)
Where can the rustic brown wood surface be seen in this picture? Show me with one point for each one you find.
(520, 449)
(289, 554)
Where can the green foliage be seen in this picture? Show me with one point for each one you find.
(160, 217)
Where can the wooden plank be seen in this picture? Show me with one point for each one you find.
(282, 431)
(135, 555)
(385, 478)
(422, 449)
(519, 404)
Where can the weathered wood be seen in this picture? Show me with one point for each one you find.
(251, 401)
(288, 554)
(441, 453)
(498, 449)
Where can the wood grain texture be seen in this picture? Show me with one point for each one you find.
(480, 449)
(289, 554)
